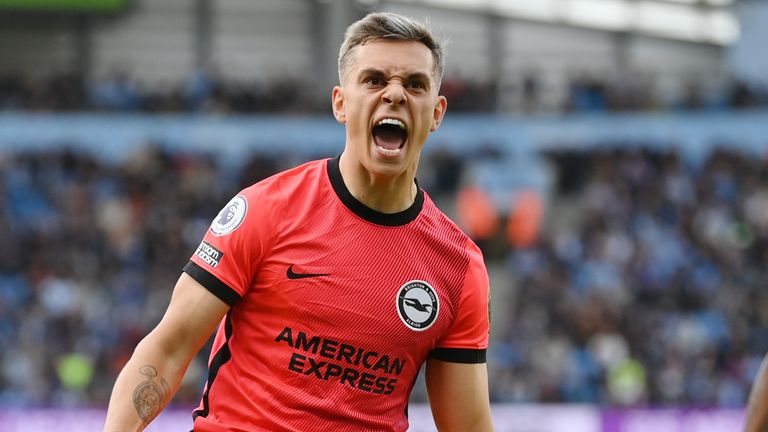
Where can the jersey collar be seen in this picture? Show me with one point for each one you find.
(365, 212)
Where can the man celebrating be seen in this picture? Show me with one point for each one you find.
(333, 282)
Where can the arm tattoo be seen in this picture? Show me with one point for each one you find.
(149, 396)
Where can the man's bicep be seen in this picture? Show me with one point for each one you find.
(458, 395)
(192, 315)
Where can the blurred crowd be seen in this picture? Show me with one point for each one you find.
(91, 253)
(204, 92)
(645, 287)
(639, 92)
(120, 92)
(648, 290)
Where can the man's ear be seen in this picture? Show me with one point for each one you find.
(438, 113)
(337, 101)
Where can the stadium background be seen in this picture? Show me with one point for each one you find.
(607, 155)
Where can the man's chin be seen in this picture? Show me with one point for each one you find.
(386, 167)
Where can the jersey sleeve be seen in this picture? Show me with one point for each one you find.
(467, 339)
(229, 256)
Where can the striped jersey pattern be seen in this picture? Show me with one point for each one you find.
(334, 306)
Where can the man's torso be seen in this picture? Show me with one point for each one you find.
(340, 313)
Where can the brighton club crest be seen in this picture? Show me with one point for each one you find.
(417, 305)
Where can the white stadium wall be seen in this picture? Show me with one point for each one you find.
(554, 54)
(748, 56)
(675, 62)
(261, 39)
(158, 41)
(153, 42)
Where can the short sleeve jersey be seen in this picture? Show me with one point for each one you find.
(334, 306)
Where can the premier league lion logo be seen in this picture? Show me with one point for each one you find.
(230, 217)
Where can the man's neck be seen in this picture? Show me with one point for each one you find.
(380, 193)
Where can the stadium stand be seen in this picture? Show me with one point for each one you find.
(643, 291)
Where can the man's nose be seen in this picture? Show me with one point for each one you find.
(394, 94)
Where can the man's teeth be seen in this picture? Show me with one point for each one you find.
(389, 152)
(390, 121)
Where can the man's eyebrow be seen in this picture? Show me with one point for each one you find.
(379, 73)
(371, 71)
(418, 76)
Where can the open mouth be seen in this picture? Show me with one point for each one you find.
(390, 136)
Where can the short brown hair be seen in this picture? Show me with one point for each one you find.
(391, 26)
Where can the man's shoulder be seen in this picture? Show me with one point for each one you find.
(439, 217)
(303, 176)
(445, 225)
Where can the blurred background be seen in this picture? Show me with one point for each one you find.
(609, 157)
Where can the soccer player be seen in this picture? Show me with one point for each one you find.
(757, 409)
(332, 283)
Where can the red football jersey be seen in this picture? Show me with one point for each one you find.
(335, 306)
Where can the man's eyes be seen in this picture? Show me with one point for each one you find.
(374, 81)
(377, 82)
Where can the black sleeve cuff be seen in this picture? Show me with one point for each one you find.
(212, 283)
(458, 355)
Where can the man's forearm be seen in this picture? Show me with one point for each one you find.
(757, 410)
(150, 378)
(145, 386)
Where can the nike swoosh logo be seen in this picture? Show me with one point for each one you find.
(292, 275)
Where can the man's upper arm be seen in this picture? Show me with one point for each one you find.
(456, 373)
(458, 396)
(192, 315)
(220, 271)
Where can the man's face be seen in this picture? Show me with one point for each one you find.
(389, 102)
